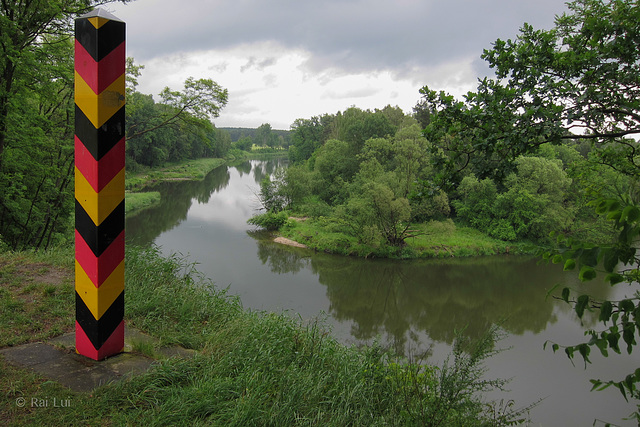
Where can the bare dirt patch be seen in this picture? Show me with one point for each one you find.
(36, 299)
(288, 242)
(23, 274)
(299, 219)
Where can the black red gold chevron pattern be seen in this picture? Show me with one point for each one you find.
(99, 183)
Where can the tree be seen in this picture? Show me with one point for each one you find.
(579, 80)
(25, 26)
(334, 166)
(264, 136)
(177, 128)
(245, 143)
(199, 102)
(36, 184)
(307, 136)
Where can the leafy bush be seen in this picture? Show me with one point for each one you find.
(269, 221)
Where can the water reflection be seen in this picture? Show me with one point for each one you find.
(401, 299)
(176, 200)
(178, 197)
(281, 259)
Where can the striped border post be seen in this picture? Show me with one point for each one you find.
(99, 181)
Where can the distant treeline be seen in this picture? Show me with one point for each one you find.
(239, 133)
(263, 138)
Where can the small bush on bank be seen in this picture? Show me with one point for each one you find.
(269, 221)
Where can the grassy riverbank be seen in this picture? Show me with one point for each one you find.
(251, 368)
(436, 239)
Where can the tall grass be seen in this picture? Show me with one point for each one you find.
(135, 202)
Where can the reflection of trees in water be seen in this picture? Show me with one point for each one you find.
(175, 202)
(439, 297)
(281, 259)
(243, 168)
(263, 168)
(177, 197)
(400, 300)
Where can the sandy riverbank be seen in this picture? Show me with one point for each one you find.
(289, 242)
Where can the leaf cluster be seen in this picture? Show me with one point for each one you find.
(578, 80)
(619, 263)
(176, 128)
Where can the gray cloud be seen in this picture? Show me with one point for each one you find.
(309, 55)
(355, 93)
(259, 65)
(352, 35)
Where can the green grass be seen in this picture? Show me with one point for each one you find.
(252, 368)
(186, 170)
(445, 239)
(135, 202)
(432, 240)
(36, 296)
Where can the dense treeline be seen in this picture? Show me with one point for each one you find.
(180, 141)
(373, 175)
(37, 121)
(264, 135)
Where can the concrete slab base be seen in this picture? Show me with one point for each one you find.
(57, 360)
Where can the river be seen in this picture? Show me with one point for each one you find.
(415, 307)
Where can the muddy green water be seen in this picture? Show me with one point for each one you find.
(413, 306)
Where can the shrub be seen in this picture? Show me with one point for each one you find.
(269, 221)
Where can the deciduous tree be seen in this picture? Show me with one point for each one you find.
(25, 26)
(578, 80)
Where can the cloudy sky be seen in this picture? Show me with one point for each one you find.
(288, 59)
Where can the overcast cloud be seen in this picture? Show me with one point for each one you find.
(288, 59)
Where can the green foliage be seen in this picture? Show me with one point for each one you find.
(578, 81)
(270, 221)
(353, 126)
(178, 128)
(153, 283)
(364, 169)
(534, 204)
(273, 194)
(36, 184)
(135, 202)
(580, 76)
(37, 127)
(390, 214)
(307, 135)
(252, 368)
(27, 30)
(618, 262)
(265, 137)
(244, 143)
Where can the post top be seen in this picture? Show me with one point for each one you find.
(100, 13)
